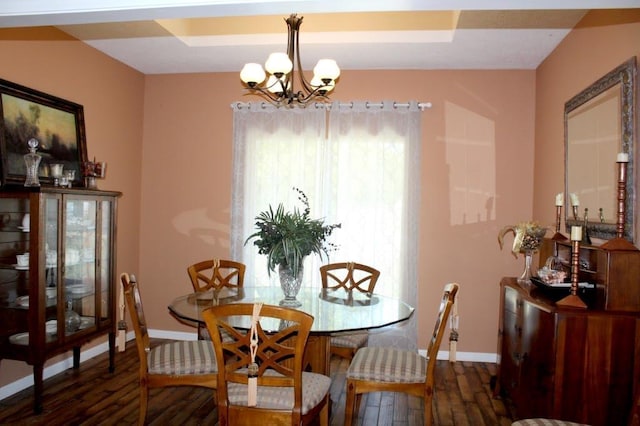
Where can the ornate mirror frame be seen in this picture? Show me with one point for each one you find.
(623, 76)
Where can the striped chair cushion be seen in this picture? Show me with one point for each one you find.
(314, 388)
(545, 422)
(203, 332)
(388, 365)
(353, 340)
(190, 357)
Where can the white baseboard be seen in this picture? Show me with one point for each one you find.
(173, 335)
(59, 367)
(465, 356)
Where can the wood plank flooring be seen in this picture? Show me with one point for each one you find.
(93, 396)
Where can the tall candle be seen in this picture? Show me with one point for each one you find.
(574, 200)
(560, 199)
(623, 157)
(576, 233)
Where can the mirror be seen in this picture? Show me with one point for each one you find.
(599, 124)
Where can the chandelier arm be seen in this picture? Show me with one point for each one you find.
(315, 93)
(266, 94)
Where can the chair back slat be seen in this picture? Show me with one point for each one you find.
(349, 276)
(216, 274)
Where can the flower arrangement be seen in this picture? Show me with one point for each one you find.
(527, 237)
(92, 170)
(287, 237)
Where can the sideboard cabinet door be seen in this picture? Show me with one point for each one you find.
(580, 365)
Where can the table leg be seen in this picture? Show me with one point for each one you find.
(318, 354)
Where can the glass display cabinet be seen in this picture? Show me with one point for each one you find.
(57, 277)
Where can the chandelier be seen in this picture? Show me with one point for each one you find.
(280, 87)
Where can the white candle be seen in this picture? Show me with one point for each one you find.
(576, 233)
(623, 157)
(574, 200)
(560, 199)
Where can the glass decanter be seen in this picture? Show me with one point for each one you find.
(32, 162)
(72, 319)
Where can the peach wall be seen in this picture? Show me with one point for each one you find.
(167, 139)
(112, 95)
(187, 176)
(585, 55)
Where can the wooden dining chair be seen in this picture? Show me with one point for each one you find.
(215, 274)
(180, 363)
(284, 393)
(349, 276)
(380, 369)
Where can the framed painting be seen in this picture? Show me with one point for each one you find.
(57, 125)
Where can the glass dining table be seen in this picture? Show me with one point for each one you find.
(333, 311)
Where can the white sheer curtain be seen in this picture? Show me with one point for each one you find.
(363, 173)
(372, 184)
(275, 149)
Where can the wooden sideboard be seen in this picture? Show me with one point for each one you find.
(581, 365)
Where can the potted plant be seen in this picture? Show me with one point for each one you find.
(286, 238)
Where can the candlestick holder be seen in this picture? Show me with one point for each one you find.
(622, 198)
(575, 212)
(558, 235)
(573, 300)
(619, 242)
(586, 239)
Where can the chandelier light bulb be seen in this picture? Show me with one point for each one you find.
(252, 74)
(278, 63)
(275, 84)
(326, 69)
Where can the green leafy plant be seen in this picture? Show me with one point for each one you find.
(287, 237)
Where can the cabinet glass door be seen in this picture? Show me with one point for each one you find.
(15, 289)
(51, 267)
(105, 260)
(79, 263)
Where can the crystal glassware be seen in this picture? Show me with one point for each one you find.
(72, 319)
(71, 175)
(32, 162)
(56, 173)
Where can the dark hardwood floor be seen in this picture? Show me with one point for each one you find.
(93, 396)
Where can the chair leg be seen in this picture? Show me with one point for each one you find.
(324, 414)
(357, 406)
(144, 398)
(428, 407)
(350, 408)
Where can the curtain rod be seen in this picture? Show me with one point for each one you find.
(327, 105)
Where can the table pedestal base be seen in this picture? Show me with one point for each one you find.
(318, 354)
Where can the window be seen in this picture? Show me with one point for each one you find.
(359, 166)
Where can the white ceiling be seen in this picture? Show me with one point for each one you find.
(483, 34)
